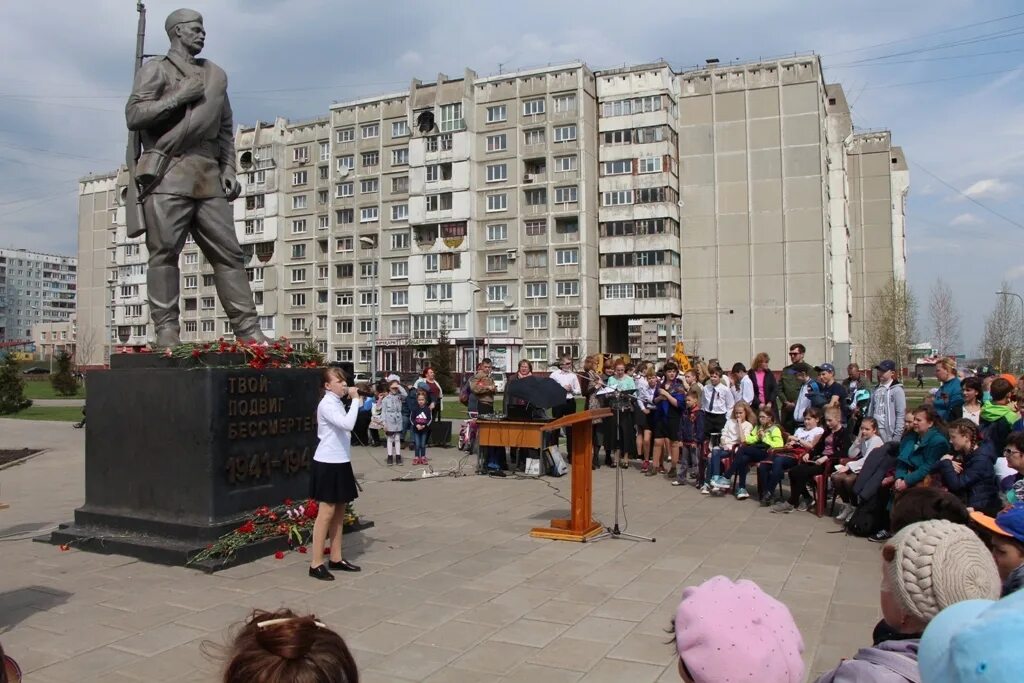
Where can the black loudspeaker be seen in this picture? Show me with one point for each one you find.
(440, 434)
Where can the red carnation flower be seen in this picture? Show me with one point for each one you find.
(277, 345)
(247, 528)
(64, 547)
(282, 528)
(196, 353)
(311, 509)
(272, 516)
(302, 549)
(288, 502)
(279, 555)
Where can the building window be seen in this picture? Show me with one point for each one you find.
(497, 232)
(565, 195)
(399, 212)
(400, 298)
(255, 274)
(565, 133)
(325, 151)
(497, 202)
(567, 257)
(617, 167)
(497, 143)
(256, 201)
(497, 263)
(209, 326)
(322, 272)
(345, 216)
(399, 327)
(368, 298)
(569, 320)
(431, 263)
(343, 298)
(536, 321)
(399, 270)
(298, 299)
(497, 113)
(564, 164)
(536, 197)
(346, 134)
(451, 118)
(619, 291)
(497, 324)
(344, 271)
(323, 222)
(534, 136)
(370, 159)
(321, 196)
(346, 163)
(300, 154)
(191, 326)
(399, 129)
(649, 165)
(368, 270)
(536, 290)
(299, 178)
(298, 275)
(439, 202)
(533, 107)
(616, 198)
(267, 323)
(369, 185)
(299, 202)
(190, 282)
(536, 227)
(536, 259)
(343, 326)
(436, 172)
(369, 214)
(567, 226)
(564, 103)
(537, 354)
(441, 291)
(497, 293)
(298, 251)
(370, 130)
(191, 259)
(400, 157)
(298, 226)
(132, 311)
(400, 240)
(567, 288)
(497, 173)
(400, 185)
(298, 324)
(343, 244)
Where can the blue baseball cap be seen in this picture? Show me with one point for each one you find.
(974, 641)
(825, 367)
(1009, 522)
(886, 365)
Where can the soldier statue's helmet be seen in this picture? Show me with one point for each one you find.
(181, 16)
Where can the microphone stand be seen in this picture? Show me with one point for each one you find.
(614, 531)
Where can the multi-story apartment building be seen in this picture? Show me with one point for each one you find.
(34, 288)
(53, 338)
(100, 226)
(548, 212)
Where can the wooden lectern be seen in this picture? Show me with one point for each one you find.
(581, 524)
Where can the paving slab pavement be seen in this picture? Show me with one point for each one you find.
(453, 588)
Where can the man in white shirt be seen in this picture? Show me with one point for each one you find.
(742, 385)
(716, 403)
(569, 381)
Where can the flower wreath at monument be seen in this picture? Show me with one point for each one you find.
(258, 355)
(291, 520)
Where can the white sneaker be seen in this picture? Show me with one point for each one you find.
(705, 490)
(742, 494)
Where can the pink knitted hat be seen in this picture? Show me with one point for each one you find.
(735, 633)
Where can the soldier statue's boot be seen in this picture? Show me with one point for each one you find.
(166, 338)
(254, 336)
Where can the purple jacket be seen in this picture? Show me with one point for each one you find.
(891, 661)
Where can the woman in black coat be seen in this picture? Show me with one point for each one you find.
(763, 379)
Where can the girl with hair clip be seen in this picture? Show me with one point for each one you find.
(332, 483)
(282, 647)
(970, 471)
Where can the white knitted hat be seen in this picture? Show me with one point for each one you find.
(936, 563)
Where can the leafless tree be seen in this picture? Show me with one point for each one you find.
(1001, 343)
(893, 324)
(85, 346)
(945, 319)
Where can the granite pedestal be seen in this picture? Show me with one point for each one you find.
(176, 457)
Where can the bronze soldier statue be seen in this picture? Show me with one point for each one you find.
(185, 177)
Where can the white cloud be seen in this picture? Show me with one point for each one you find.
(965, 219)
(1014, 273)
(989, 188)
(410, 59)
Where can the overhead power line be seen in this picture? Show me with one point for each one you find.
(926, 35)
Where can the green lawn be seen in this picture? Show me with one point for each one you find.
(43, 389)
(56, 414)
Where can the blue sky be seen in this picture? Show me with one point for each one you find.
(946, 76)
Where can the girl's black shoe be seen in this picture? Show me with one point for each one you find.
(321, 573)
(344, 566)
